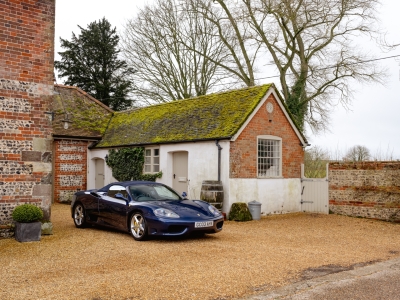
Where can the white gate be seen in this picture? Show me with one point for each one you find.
(314, 193)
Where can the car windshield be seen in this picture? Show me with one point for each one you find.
(149, 192)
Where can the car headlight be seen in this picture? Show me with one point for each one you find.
(165, 213)
(214, 211)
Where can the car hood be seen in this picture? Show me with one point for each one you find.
(185, 208)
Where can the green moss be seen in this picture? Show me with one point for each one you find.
(206, 117)
(89, 115)
(84, 114)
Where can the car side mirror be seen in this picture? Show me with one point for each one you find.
(120, 196)
(184, 196)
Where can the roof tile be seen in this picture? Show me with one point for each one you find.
(213, 116)
(89, 117)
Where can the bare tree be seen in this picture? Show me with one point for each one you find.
(357, 153)
(315, 160)
(311, 43)
(165, 68)
(380, 155)
(234, 33)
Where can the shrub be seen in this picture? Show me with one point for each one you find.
(127, 164)
(27, 213)
(240, 212)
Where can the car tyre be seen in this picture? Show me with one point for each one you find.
(79, 216)
(138, 227)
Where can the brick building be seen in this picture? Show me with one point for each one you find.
(86, 120)
(26, 91)
(244, 139)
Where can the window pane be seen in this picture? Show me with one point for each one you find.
(268, 158)
(166, 193)
(152, 160)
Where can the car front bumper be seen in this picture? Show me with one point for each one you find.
(176, 227)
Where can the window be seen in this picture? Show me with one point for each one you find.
(152, 160)
(269, 156)
(151, 192)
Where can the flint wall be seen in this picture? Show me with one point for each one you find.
(365, 189)
(26, 91)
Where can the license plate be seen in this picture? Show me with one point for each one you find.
(203, 224)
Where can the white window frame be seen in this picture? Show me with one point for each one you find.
(152, 161)
(271, 172)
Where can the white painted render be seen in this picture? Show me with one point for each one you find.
(276, 195)
(94, 154)
(202, 164)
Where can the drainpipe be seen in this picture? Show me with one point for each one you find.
(219, 159)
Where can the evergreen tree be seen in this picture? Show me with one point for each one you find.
(91, 63)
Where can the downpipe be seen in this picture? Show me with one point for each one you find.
(219, 159)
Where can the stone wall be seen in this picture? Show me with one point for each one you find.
(365, 189)
(70, 168)
(26, 92)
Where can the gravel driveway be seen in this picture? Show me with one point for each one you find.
(243, 259)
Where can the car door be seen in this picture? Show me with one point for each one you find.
(112, 210)
(92, 205)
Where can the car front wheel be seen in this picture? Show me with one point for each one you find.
(138, 227)
(79, 216)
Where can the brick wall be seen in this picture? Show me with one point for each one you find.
(70, 168)
(365, 189)
(26, 90)
(243, 152)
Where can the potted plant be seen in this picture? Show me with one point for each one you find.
(27, 222)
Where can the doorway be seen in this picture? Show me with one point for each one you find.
(180, 171)
(99, 173)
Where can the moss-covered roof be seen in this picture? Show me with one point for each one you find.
(213, 116)
(89, 117)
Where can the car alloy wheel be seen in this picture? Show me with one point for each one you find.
(79, 216)
(138, 227)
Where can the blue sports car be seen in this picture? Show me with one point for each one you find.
(144, 209)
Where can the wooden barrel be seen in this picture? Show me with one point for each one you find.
(212, 192)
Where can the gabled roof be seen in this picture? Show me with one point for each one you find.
(209, 117)
(89, 117)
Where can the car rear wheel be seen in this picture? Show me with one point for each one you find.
(79, 216)
(138, 227)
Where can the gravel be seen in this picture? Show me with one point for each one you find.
(244, 259)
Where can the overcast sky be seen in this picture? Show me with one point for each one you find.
(373, 119)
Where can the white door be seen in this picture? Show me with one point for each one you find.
(180, 172)
(99, 173)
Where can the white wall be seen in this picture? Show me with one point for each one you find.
(275, 195)
(202, 164)
(97, 154)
